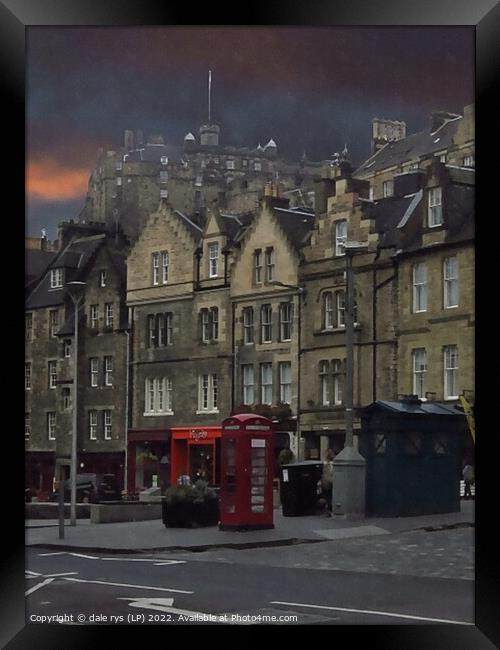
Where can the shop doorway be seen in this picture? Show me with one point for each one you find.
(201, 464)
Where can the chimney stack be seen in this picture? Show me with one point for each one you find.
(128, 141)
(384, 131)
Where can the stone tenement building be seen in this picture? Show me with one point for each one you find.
(247, 311)
(128, 183)
(87, 253)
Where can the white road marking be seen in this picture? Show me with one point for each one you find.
(33, 574)
(376, 613)
(165, 605)
(119, 584)
(156, 562)
(47, 554)
(88, 557)
(40, 584)
(56, 575)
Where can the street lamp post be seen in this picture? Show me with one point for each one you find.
(76, 295)
(349, 466)
(300, 291)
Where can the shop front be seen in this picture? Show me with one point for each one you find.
(148, 459)
(195, 452)
(317, 442)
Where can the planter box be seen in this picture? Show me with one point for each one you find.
(190, 514)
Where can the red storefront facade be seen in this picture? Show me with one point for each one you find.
(196, 452)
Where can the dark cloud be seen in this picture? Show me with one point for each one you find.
(308, 88)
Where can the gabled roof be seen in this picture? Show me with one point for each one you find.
(412, 147)
(195, 230)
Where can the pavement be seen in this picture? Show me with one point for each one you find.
(149, 536)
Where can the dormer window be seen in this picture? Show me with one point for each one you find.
(388, 188)
(56, 278)
(340, 237)
(230, 164)
(213, 260)
(102, 278)
(435, 211)
(164, 160)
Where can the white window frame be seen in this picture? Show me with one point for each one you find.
(257, 166)
(286, 320)
(51, 425)
(93, 425)
(158, 396)
(94, 372)
(257, 263)
(56, 278)
(270, 264)
(67, 348)
(230, 164)
(165, 263)
(27, 375)
(103, 278)
(213, 260)
(285, 379)
(163, 176)
(435, 207)
(266, 326)
(266, 383)
(168, 328)
(67, 398)
(205, 326)
(340, 237)
(450, 282)
(155, 261)
(340, 308)
(248, 326)
(419, 287)
(328, 310)
(108, 309)
(108, 371)
(53, 322)
(163, 193)
(248, 379)
(419, 370)
(468, 161)
(324, 367)
(207, 393)
(27, 425)
(214, 318)
(337, 382)
(52, 368)
(108, 424)
(388, 188)
(94, 316)
(28, 326)
(450, 379)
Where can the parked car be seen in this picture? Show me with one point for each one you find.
(92, 488)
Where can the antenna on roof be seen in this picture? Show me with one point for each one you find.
(209, 94)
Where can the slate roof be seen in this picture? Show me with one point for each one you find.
(35, 263)
(154, 152)
(193, 227)
(297, 225)
(388, 213)
(412, 147)
(73, 259)
(415, 408)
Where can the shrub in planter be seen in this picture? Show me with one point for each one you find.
(190, 506)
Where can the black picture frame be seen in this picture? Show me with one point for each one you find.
(16, 17)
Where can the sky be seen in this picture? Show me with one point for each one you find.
(311, 89)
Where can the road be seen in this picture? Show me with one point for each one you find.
(391, 582)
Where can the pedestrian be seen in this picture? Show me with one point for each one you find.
(468, 476)
(327, 479)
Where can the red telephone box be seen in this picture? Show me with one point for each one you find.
(246, 493)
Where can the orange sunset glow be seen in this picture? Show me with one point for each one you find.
(48, 180)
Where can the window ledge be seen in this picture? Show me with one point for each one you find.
(206, 412)
(159, 414)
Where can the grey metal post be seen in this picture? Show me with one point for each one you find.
(349, 356)
(76, 303)
(59, 475)
(75, 419)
